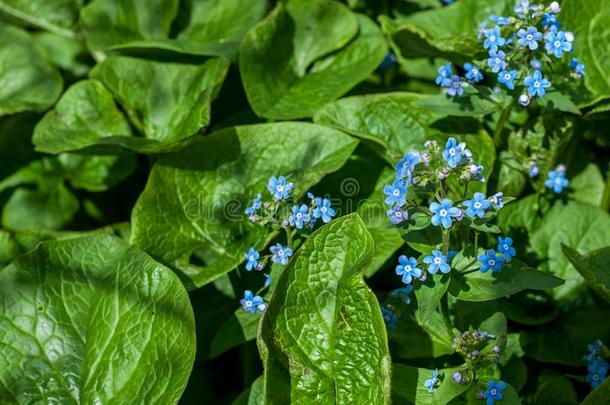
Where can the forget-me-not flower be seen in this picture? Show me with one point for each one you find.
(437, 261)
(388, 317)
(453, 153)
(443, 212)
(444, 72)
(477, 206)
(406, 166)
(407, 268)
(494, 391)
(507, 78)
(280, 254)
(493, 39)
(323, 210)
(404, 294)
(254, 206)
(252, 257)
(453, 86)
(557, 43)
(496, 61)
(397, 215)
(529, 38)
(300, 216)
(505, 246)
(577, 67)
(473, 73)
(497, 200)
(279, 188)
(396, 194)
(556, 181)
(491, 261)
(430, 383)
(536, 84)
(252, 303)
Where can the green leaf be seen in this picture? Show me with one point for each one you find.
(69, 54)
(192, 204)
(589, 20)
(85, 113)
(580, 226)
(599, 395)
(80, 326)
(556, 390)
(429, 295)
(28, 81)
(389, 120)
(253, 395)
(58, 16)
(565, 340)
(240, 327)
(496, 325)
(470, 104)
(594, 267)
(168, 102)
(300, 57)
(204, 27)
(322, 336)
(588, 186)
(515, 277)
(413, 340)
(408, 383)
(449, 32)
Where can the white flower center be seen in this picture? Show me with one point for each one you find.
(507, 76)
(396, 192)
(530, 37)
(536, 84)
(299, 215)
(437, 260)
(505, 247)
(407, 268)
(443, 213)
(280, 253)
(557, 44)
(492, 262)
(248, 304)
(323, 209)
(452, 151)
(557, 181)
(498, 61)
(492, 38)
(494, 392)
(477, 205)
(279, 187)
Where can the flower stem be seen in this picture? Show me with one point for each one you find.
(288, 236)
(504, 117)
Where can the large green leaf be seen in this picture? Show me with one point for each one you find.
(413, 340)
(28, 82)
(59, 16)
(204, 27)
(599, 395)
(450, 32)
(590, 22)
(300, 57)
(565, 340)
(322, 336)
(93, 320)
(191, 203)
(594, 267)
(580, 226)
(588, 186)
(253, 395)
(167, 101)
(513, 278)
(240, 327)
(85, 113)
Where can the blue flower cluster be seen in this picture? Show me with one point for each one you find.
(495, 261)
(520, 48)
(431, 383)
(253, 303)
(389, 317)
(300, 216)
(597, 363)
(556, 179)
(494, 391)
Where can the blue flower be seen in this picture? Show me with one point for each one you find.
(577, 67)
(536, 84)
(388, 317)
(505, 246)
(476, 171)
(594, 350)
(437, 261)
(396, 194)
(388, 61)
(536, 64)
(473, 74)
(430, 383)
(500, 20)
(279, 188)
(597, 372)
(447, 2)
(491, 261)
(494, 391)
(300, 216)
(408, 269)
(493, 39)
(454, 153)
(550, 20)
(404, 294)
(523, 8)
(251, 259)
(443, 74)
(443, 212)
(529, 38)
(406, 166)
(497, 200)
(533, 170)
(496, 61)
(453, 86)
(254, 206)
(323, 210)
(252, 303)
(556, 181)
(397, 215)
(557, 44)
(477, 206)
(280, 254)
(507, 78)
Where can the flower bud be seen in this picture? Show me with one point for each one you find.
(524, 100)
(534, 170)
(560, 168)
(460, 216)
(554, 7)
(285, 223)
(569, 35)
(260, 266)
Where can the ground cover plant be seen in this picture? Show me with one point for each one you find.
(304, 201)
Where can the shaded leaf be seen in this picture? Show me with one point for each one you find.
(59, 16)
(594, 267)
